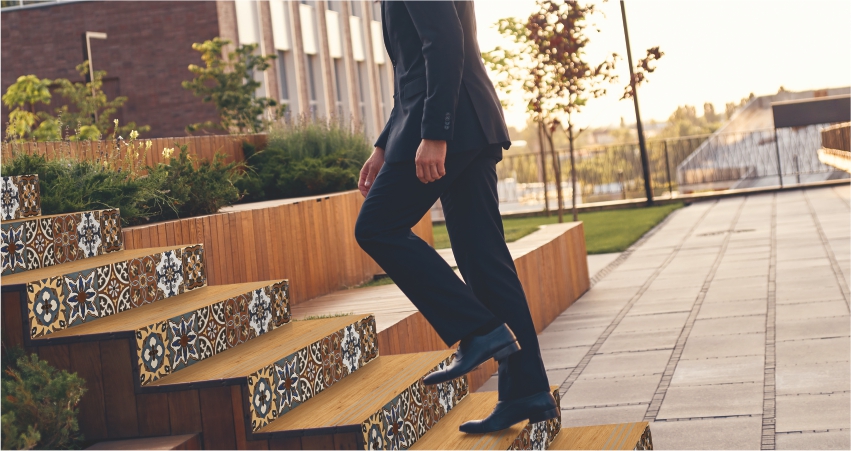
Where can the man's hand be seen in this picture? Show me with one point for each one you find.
(370, 170)
(430, 158)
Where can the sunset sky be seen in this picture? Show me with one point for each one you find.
(715, 51)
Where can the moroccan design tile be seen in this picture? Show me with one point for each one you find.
(211, 329)
(194, 272)
(332, 358)
(351, 348)
(142, 276)
(183, 341)
(89, 234)
(524, 440)
(374, 432)
(312, 373)
(113, 283)
(169, 273)
(538, 435)
(413, 408)
(399, 432)
(281, 302)
(260, 311)
(45, 306)
(287, 378)
(81, 297)
(13, 248)
(430, 408)
(261, 395)
(646, 440)
(368, 339)
(10, 198)
(237, 320)
(65, 247)
(153, 353)
(40, 248)
(112, 239)
(29, 196)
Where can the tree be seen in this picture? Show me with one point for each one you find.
(551, 67)
(24, 121)
(228, 83)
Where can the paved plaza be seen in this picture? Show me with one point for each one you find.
(726, 327)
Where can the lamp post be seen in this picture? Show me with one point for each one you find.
(645, 163)
(87, 55)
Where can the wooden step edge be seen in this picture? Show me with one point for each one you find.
(186, 442)
(235, 366)
(21, 196)
(112, 284)
(39, 242)
(414, 406)
(623, 436)
(523, 435)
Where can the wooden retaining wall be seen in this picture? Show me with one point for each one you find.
(309, 241)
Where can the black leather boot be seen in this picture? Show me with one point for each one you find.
(535, 408)
(473, 351)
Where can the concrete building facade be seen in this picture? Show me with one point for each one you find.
(330, 61)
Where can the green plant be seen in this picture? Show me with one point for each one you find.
(197, 188)
(228, 82)
(91, 112)
(39, 403)
(304, 158)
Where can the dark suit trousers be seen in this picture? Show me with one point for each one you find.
(455, 308)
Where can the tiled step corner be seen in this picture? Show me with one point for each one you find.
(226, 322)
(36, 242)
(294, 379)
(523, 435)
(20, 197)
(386, 402)
(65, 296)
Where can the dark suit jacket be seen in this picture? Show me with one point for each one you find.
(442, 90)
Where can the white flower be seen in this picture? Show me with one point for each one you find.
(134, 134)
(167, 152)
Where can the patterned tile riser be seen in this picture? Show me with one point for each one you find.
(291, 381)
(169, 346)
(411, 414)
(42, 242)
(20, 197)
(75, 298)
(646, 440)
(539, 435)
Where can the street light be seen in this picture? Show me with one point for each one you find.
(87, 55)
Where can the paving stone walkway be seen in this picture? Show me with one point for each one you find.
(726, 328)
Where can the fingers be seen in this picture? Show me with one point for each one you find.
(430, 172)
(421, 173)
(363, 181)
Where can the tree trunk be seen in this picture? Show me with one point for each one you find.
(572, 173)
(543, 170)
(557, 170)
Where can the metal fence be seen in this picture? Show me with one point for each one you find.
(679, 165)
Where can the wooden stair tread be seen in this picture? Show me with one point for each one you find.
(83, 264)
(248, 357)
(445, 434)
(187, 441)
(146, 315)
(606, 436)
(352, 400)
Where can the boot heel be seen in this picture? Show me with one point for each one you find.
(506, 351)
(544, 416)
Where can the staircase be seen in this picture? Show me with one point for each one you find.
(226, 366)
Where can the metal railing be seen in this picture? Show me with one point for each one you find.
(677, 165)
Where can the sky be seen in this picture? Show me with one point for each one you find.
(716, 51)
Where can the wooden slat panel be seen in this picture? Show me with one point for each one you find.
(153, 407)
(237, 403)
(118, 383)
(185, 411)
(217, 418)
(86, 362)
(13, 320)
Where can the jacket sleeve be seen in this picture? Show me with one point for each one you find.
(382, 138)
(442, 39)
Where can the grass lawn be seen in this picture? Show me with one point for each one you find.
(605, 231)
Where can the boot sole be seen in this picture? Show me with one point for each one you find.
(536, 418)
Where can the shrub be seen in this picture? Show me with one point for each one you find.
(197, 191)
(39, 403)
(305, 158)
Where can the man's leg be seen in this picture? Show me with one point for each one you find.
(471, 207)
(395, 203)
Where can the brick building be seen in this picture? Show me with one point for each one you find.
(331, 56)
